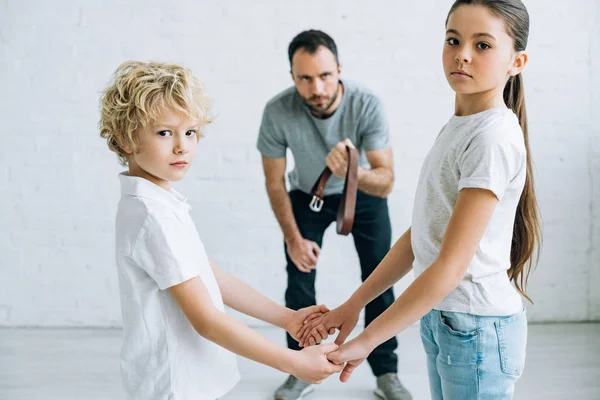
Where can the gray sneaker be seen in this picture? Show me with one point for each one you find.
(390, 388)
(293, 389)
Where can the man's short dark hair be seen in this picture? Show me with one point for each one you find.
(310, 41)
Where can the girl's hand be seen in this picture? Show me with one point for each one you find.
(343, 318)
(353, 354)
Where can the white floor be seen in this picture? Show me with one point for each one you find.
(563, 362)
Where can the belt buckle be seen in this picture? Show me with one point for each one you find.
(316, 204)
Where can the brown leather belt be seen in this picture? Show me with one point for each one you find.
(345, 213)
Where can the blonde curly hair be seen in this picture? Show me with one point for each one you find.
(137, 96)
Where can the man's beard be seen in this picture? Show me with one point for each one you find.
(321, 112)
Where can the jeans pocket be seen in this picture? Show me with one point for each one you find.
(512, 342)
(457, 339)
(458, 324)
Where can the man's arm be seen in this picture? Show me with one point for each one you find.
(379, 180)
(376, 181)
(304, 253)
(274, 169)
(374, 130)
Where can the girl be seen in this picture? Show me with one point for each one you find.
(474, 226)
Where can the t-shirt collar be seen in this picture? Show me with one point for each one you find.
(140, 187)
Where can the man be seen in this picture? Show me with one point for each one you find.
(316, 119)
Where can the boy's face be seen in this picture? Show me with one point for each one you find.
(165, 150)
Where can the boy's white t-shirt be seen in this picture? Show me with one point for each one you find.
(157, 246)
(485, 150)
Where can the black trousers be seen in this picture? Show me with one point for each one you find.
(372, 234)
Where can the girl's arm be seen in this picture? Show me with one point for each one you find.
(220, 328)
(395, 265)
(472, 212)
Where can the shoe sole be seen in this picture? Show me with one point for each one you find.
(379, 393)
(306, 391)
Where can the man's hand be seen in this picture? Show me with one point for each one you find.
(297, 319)
(304, 253)
(337, 159)
(343, 318)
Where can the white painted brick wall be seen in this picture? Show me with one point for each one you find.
(58, 185)
(594, 163)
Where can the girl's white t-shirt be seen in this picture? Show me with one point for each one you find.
(487, 151)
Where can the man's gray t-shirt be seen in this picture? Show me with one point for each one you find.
(287, 122)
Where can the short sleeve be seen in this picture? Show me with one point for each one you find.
(163, 251)
(491, 161)
(271, 142)
(374, 128)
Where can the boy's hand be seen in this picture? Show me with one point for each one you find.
(353, 354)
(311, 364)
(300, 317)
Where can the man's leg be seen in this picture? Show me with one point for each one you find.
(372, 234)
(300, 291)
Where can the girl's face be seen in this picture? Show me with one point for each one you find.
(478, 54)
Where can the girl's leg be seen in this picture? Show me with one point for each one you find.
(480, 357)
(431, 351)
(503, 356)
(458, 335)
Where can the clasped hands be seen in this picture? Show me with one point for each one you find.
(314, 324)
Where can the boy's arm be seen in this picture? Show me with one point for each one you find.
(247, 300)
(222, 329)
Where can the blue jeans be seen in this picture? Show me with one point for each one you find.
(473, 357)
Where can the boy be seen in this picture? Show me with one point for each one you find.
(178, 341)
